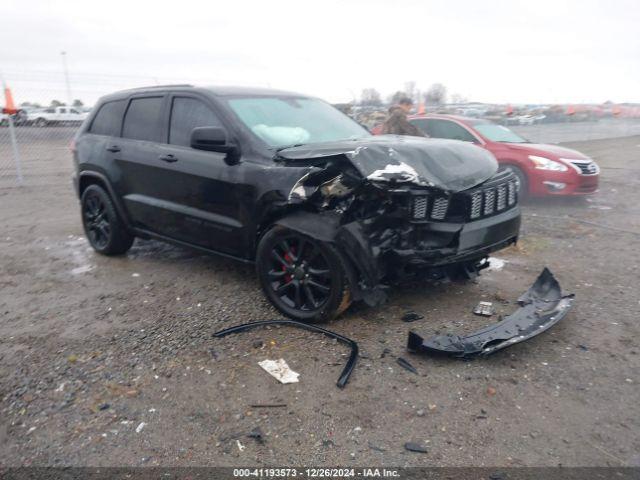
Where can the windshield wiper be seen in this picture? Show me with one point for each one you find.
(279, 149)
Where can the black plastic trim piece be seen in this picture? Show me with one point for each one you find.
(349, 366)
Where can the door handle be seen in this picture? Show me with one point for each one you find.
(113, 149)
(168, 158)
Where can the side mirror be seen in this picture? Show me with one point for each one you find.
(214, 139)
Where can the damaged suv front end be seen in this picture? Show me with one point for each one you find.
(403, 208)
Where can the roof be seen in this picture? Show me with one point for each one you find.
(215, 90)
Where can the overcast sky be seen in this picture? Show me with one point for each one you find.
(534, 51)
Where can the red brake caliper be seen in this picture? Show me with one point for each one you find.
(288, 258)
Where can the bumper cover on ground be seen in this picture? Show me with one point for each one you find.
(541, 307)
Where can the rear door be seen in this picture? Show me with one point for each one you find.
(136, 156)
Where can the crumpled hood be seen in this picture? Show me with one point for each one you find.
(542, 149)
(450, 165)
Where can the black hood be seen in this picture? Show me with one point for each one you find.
(449, 165)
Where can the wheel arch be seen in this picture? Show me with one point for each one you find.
(87, 178)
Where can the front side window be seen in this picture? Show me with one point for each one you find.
(437, 128)
(187, 114)
(141, 120)
(281, 121)
(108, 120)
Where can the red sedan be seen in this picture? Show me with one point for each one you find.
(541, 169)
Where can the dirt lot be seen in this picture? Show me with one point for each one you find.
(110, 361)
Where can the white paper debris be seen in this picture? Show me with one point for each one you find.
(140, 427)
(280, 370)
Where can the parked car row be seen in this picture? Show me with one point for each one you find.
(46, 116)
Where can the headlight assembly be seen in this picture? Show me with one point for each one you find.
(543, 163)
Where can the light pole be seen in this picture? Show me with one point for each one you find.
(66, 77)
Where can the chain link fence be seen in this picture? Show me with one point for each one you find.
(35, 149)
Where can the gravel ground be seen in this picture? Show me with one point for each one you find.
(110, 361)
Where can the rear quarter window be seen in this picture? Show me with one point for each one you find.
(141, 122)
(108, 120)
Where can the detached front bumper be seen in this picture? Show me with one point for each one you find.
(541, 307)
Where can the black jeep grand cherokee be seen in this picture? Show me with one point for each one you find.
(328, 213)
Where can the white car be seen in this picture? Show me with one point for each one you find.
(57, 115)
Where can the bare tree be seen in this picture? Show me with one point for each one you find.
(370, 97)
(436, 95)
(78, 103)
(410, 90)
(457, 98)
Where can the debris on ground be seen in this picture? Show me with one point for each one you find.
(257, 435)
(269, 405)
(406, 365)
(241, 447)
(351, 362)
(415, 447)
(541, 307)
(484, 309)
(411, 317)
(140, 427)
(280, 370)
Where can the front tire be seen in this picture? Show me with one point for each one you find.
(103, 227)
(302, 277)
(521, 180)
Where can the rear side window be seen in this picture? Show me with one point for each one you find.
(109, 119)
(141, 120)
(447, 129)
(187, 114)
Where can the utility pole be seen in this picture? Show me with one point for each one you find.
(66, 78)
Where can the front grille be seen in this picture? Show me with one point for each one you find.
(586, 168)
(476, 205)
(439, 209)
(495, 196)
(420, 207)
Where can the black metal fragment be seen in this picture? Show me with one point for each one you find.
(411, 317)
(415, 447)
(351, 362)
(541, 307)
(406, 365)
(257, 435)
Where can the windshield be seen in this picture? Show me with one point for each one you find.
(498, 133)
(283, 121)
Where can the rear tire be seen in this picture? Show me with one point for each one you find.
(40, 122)
(103, 227)
(302, 277)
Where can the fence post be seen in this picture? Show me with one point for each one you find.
(14, 145)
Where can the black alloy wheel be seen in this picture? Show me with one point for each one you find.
(302, 277)
(102, 225)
